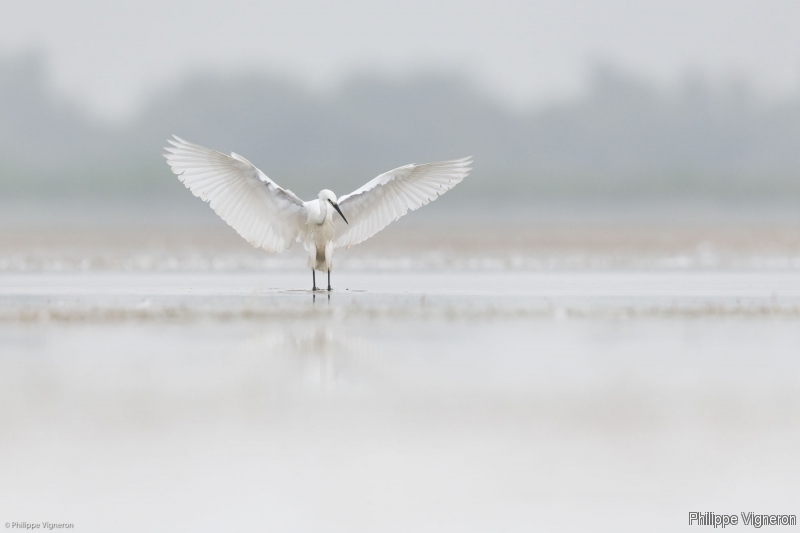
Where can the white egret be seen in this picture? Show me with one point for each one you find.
(273, 218)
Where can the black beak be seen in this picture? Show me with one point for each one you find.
(336, 206)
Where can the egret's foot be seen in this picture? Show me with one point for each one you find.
(329, 288)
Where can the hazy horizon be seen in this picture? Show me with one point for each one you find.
(626, 135)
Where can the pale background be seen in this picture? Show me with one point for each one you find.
(596, 331)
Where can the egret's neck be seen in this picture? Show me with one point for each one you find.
(323, 212)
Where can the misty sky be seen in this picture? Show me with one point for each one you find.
(109, 55)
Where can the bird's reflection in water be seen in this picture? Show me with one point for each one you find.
(314, 297)
(320, 354)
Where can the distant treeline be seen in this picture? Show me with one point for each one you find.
(625, 136)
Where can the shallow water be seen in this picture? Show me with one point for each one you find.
(418, 401)
(485, 374)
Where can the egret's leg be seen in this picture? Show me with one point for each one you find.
(329, 260)
(314, 279)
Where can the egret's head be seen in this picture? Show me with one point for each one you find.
(326, 195)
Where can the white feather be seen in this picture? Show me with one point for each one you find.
(393, 194)
(266, 215)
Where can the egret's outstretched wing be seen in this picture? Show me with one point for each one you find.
(393, 194)
(265, 214)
